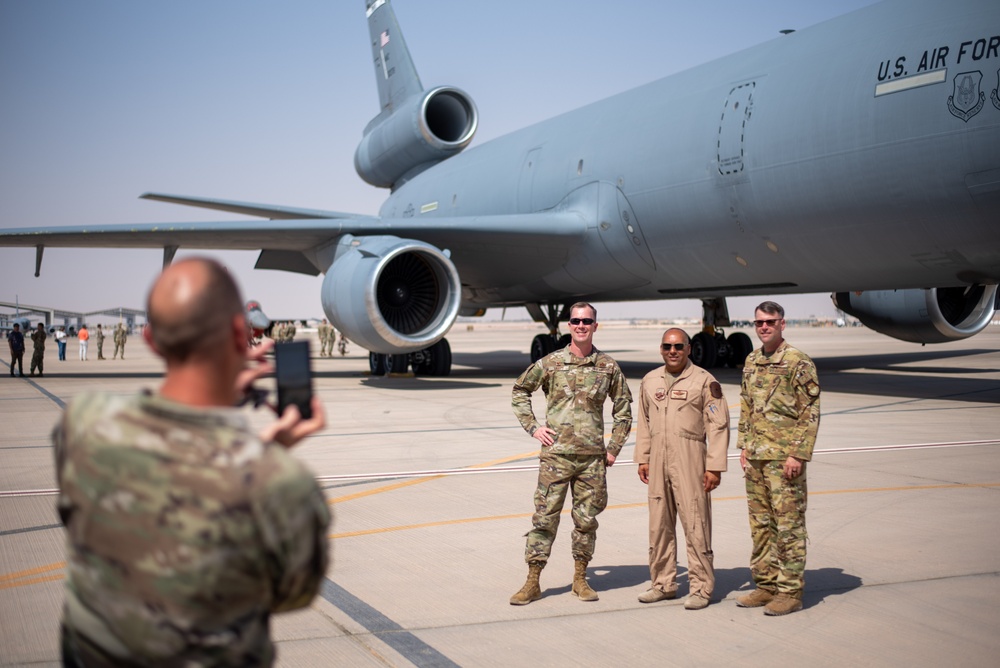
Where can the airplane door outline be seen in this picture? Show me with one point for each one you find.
(732, 129)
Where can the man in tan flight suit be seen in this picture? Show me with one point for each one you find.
(681, 409)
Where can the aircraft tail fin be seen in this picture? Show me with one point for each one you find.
(395, 73)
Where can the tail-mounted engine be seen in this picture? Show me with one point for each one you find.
(391, 295)
(936, 315)
(421, 132)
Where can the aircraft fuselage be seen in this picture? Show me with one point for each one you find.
(861, 154)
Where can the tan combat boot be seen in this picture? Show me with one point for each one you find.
(581, 589)
(755, 599)
(531, 590)
(782, 604)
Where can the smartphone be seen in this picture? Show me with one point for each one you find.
(294, 376)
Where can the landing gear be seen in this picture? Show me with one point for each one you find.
(433, 361)
(376, 364)
(543, 344)
(710, 347)
(704, 350)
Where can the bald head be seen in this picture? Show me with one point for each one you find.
(191, 307)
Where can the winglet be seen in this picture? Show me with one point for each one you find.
(395, 73)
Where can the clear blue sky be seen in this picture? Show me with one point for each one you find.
(262, 101)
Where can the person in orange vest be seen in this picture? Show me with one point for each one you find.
(84, 337)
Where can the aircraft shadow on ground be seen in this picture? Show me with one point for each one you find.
(820, 583)
(869, 374)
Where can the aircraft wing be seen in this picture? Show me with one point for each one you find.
(281, 238)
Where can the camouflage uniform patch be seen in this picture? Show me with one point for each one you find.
(777, 526)
(557, 474)
(184, 532)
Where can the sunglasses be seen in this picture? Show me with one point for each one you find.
(672, 346)
(581, 321)
(771, 322)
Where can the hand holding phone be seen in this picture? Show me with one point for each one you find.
(294, 377)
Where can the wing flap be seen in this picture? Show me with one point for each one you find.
(272, 211)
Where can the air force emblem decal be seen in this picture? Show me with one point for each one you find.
(967, 100)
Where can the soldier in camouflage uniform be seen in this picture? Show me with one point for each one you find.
(185, 529)
(326, 335)
(38, 350)
(779, 419)
(99, 337)
(576, 381)
(120, 337)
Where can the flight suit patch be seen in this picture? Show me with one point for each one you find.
(661, 394)
(715, 389)
(679, 394)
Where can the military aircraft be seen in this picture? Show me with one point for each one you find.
(22, 321)
(860, 156)
(257, 321)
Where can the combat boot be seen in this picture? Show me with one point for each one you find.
(755, 599)
(531, 590)
(581, 589)
(782, 604)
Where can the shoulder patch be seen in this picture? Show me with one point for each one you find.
(715, 389)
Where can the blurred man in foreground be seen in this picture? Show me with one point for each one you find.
(185, 529)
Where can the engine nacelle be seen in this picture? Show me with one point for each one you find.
(391, 295)
(936, 315)
(423, 131)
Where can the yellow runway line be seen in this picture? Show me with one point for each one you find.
(417, 481)
(18, 578)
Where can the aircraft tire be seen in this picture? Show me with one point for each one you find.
(441, 358)
(704, 351)
(564, 341)
(396, 363)
(433, 361)
(740, 346)
(542, 345)
(376, 364)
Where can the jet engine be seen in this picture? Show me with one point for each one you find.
(391, 295)
(936, 315)
(423, 131)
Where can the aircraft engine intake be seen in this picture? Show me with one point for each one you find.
(391, 295)
(936, 315)
(423, 131)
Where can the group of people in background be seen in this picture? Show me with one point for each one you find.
(283, 331)
(681, 443)
(16, 344)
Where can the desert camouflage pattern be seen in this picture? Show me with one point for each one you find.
(777, 510)
(120, 337)
(779, 405)
(184, 533)
(327, 337)
(575, 389)
(584, 475)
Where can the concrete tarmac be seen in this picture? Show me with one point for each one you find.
(904, 553)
